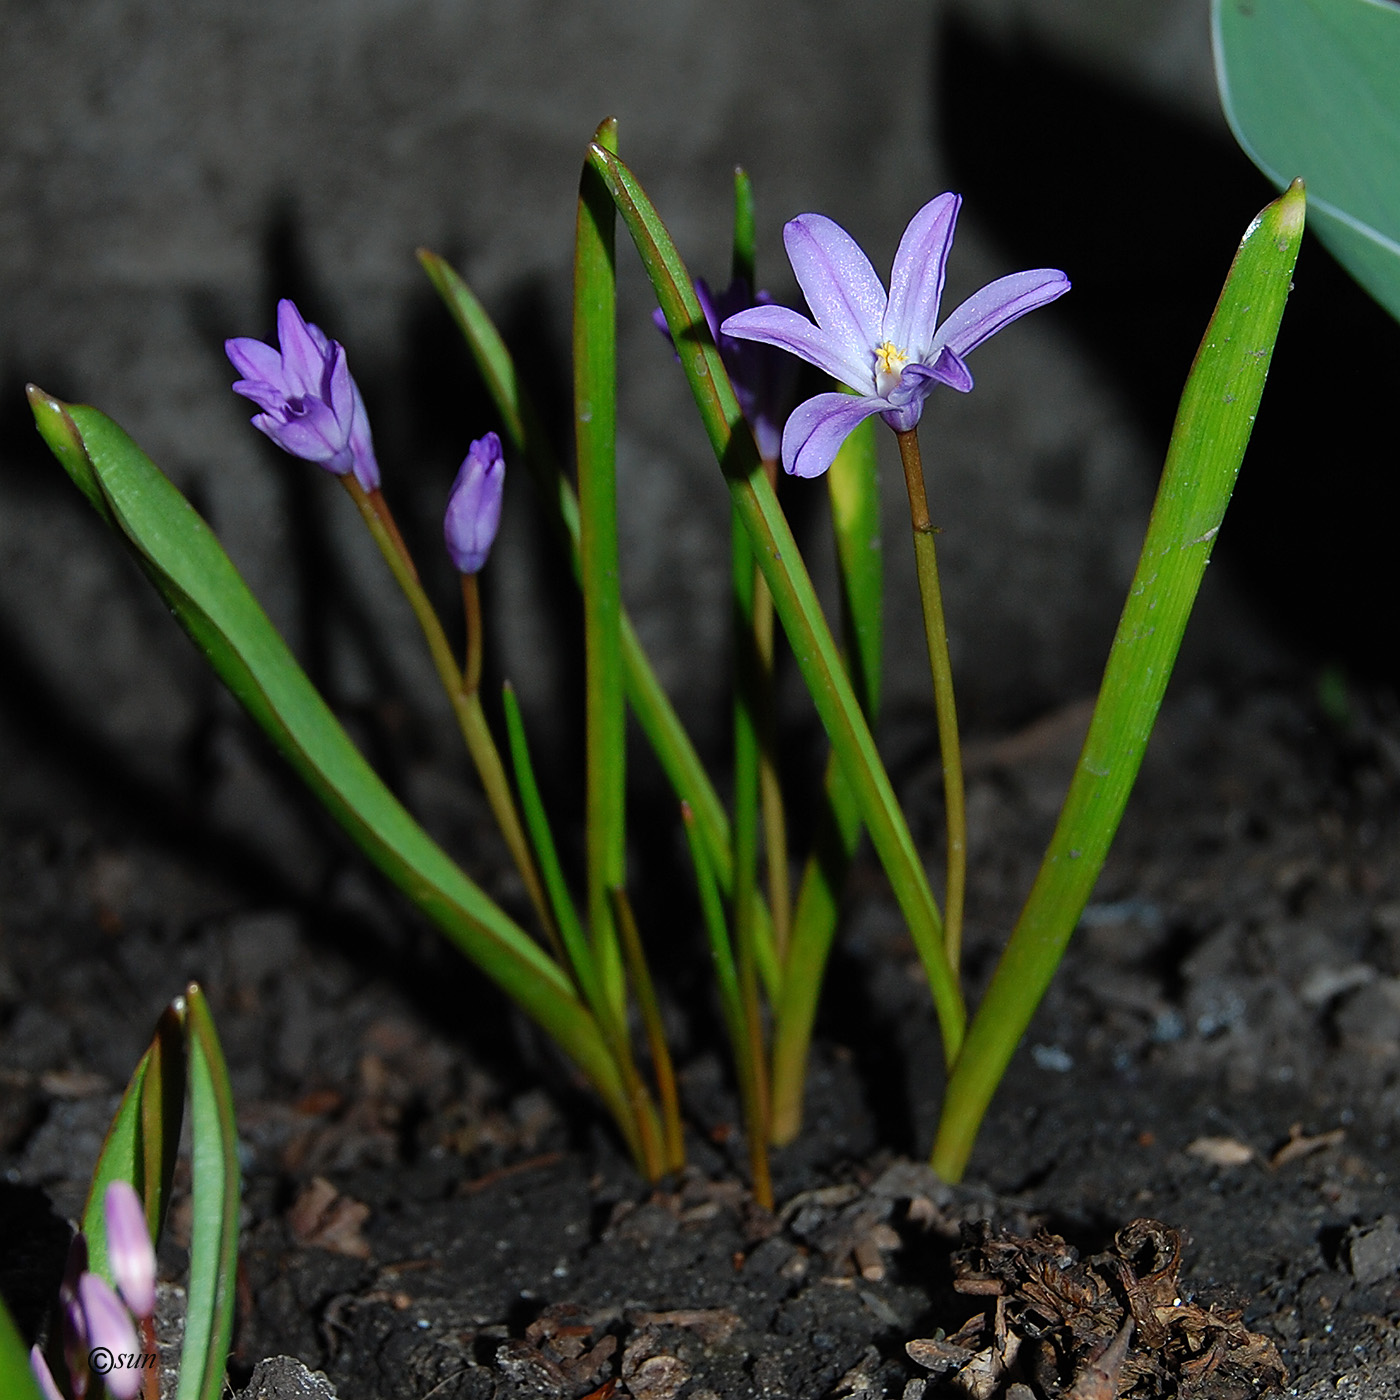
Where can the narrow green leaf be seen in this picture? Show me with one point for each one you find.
(143, 1139)
(649, 702)
(1311, 89)
(663, 1070)
(745, 234)
(16, 1379)
(595, 445)
(747, 1065)
(61, 434)
(1212, 429)
(214, 1192)
(188, 566)
(537, 821)
(762, 942)
(813, 647)
(756, 948)
(853, 484)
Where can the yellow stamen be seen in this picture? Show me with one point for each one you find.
(889, 365)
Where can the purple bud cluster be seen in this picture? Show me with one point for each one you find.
(311, 405)
(100, 1327)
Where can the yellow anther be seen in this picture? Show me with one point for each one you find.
(889, 358)
(889, 365)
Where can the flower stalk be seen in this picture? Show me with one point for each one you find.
(936, 637)
(466, 703)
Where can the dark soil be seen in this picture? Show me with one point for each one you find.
(433, 1209)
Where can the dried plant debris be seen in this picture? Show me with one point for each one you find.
(563, 1353)
(1113, 1327)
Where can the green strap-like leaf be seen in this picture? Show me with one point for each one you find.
(595, 448)
(853, 485)
(776, 550)
(189, 567)
(143, 1139)
(1212, 429)
(214, 1194)
(1311, 89)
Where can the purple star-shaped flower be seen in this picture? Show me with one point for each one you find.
(889, 349)
(311, 406)
(763, 382)
(474, 505)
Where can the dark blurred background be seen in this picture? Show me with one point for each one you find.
(167, 173)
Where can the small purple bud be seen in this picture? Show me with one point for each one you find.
(129, 1251)
(112, 1336)
(43, 1375)
(474, 506)
(311, 407)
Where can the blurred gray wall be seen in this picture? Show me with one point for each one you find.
(166, 172)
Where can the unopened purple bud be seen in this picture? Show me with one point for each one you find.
(474, 506)
(43, 1375)
(311, 407)
(112, 1337)
(129, 1251)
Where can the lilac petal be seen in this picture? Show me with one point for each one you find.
(40, 1367)
(999, 303)
(319, 339)
(766, 437)
(783, 327)
(110, 1329)
(268, 397)
(905, 405)
(947, 368)
(129, 1252)
(362, 444)
(341, 393)
(816, 429)
(254, 360)
(916, 280)
(303, 360)
(314, 436)
(841, 287)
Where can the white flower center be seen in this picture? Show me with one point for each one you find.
(889, 365)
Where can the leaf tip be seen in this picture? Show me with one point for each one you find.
(1291, 209)
(49, 410)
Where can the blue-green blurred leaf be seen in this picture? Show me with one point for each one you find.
(1311, 88)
